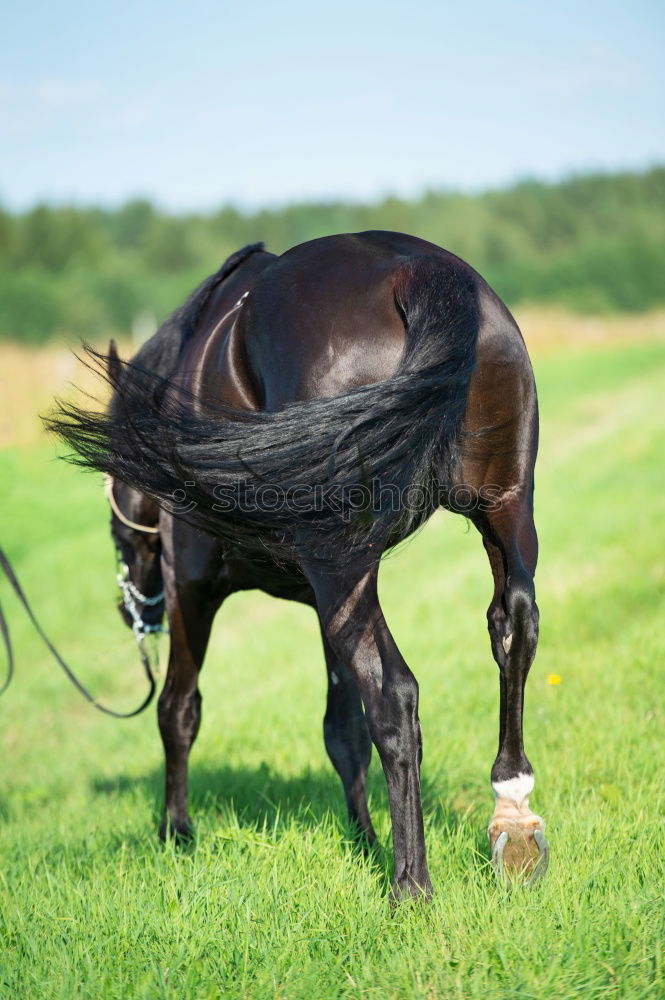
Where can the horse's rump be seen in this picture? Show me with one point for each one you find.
(330, 475)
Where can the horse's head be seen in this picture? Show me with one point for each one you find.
(135, 532)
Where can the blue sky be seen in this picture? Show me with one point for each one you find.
(196, 105)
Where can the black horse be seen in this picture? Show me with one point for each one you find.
(298, 415)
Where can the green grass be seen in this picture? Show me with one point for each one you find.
(273, 901)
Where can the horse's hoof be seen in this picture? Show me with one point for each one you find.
(520, 854)
(181, 833)
(408, 890)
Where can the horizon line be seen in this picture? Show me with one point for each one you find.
(246, 210)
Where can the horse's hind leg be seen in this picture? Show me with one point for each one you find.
(500, 443)
(353, 623)
(509, 535)
(347, 739)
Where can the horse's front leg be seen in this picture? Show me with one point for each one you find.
(517, 840)
(191, 604)
(354, 626)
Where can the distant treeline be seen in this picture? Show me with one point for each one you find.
(594, 243)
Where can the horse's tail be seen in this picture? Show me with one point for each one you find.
(329, 476)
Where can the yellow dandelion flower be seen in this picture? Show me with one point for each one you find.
(554, 679)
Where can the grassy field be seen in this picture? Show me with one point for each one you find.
(273, 901)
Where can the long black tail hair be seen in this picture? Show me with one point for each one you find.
(330, 478)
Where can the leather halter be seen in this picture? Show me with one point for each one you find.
(108, 490)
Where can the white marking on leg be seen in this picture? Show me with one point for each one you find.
(333, 677)
(507, 643)
(516, 790)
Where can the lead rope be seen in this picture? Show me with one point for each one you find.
(4, 630)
